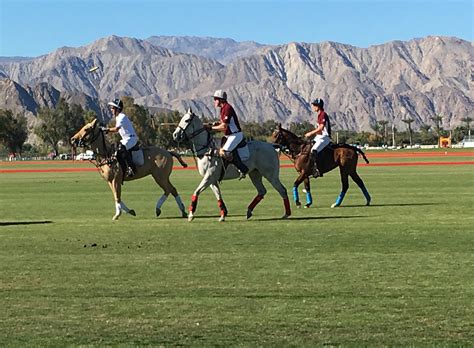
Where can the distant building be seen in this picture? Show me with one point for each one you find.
(468, 141)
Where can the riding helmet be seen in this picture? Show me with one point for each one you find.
(220, 94)
(318, 102)
(116, 103)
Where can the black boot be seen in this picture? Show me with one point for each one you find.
(314, 159)
(131, 166)
(239, 164)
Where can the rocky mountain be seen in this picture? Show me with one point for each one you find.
(222, 50)
(417, 79)
(27, 100)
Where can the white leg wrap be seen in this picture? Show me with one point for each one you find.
(161, 201)
(118, 209)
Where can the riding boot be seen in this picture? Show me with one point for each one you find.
(131, 166)
(314, 159)
(237, 161)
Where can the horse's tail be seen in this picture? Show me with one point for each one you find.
(363, 154)
(356, 149)
(178, 157)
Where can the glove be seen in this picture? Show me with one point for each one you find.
(104, 129)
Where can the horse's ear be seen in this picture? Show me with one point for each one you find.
(190, 111)
(279, 125)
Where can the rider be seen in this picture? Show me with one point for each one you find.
(322, 132)
(124, 127)
(229, 124)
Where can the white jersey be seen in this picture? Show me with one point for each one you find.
(126, 131)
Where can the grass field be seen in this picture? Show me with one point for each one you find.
(399, 272)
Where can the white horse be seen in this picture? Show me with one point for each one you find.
(263, 161)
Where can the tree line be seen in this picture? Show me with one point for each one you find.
(55, 126)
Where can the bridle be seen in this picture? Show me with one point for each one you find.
(287, 148)
(89, 139)
(188, 138)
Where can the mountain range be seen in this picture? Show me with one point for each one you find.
(418, 79)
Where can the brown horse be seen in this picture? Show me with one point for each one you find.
(343, 156)
(156, 161)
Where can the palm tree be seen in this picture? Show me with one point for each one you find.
(437, 120)
(467, 120)
(383, 124)
(408, 121)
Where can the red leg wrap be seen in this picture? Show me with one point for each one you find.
(194, 203)
(255, 201)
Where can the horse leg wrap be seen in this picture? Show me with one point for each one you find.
(222, 207)
(194, 203)
(286, 202)
(161, 201)
(309, 198)
(296, 196)
(255, 201)
(179, 202)
(366, 194)
(118, 208)
(339, 199)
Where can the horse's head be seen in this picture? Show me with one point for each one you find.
(86, 134)
(188, 126)
(280, 136)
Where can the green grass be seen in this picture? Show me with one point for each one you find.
(396, 273)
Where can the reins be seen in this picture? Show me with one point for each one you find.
(100, 160)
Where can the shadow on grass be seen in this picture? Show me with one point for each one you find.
(301, 218)
(388, 205)
(13, 223)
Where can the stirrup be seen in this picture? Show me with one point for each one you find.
(130, 173)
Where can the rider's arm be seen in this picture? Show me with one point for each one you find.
(315, 131)
(220, 127)
(113, 129)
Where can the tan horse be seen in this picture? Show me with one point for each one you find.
(158, 163)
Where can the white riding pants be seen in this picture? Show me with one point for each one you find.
(129, 142)
(232, 141)
(321, 141)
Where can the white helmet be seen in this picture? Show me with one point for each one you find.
(220, 94)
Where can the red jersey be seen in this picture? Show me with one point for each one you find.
(323, 118)
(229, 117)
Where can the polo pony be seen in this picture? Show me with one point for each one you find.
(157, 162)
(343, 156)
(263, 161)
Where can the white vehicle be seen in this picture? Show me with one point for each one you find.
(84, 156)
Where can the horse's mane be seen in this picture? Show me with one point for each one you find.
(292, 137)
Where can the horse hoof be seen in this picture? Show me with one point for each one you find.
(184, 214)
(115, 217)
(298, 205)
(190, 217)
(307, 206)
(368, 203)
(222, 219)
(284, 217)
(249, 214)
(158, 212)
(132, 212)
(334, 205)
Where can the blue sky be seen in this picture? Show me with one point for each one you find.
(36, 27)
